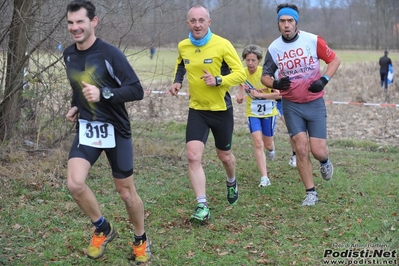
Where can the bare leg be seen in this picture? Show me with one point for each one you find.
(195, 171)
(133, 202)
(319, 148)
(229, 162)
(304, 165)
(77, 172)
(259, 152)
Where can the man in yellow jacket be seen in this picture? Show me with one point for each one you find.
(212, 66)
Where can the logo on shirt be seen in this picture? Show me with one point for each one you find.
(208, 61)
(294, 61)
(186, 61)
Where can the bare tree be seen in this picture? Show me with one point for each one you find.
(386, 11)
(26, 41)
(20, 26)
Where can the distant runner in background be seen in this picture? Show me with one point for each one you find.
(384, 63)
(59, 47)
(292, 161)
(152, 52)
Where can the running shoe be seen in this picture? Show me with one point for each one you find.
(232, 193)
(201, 213)
(327, 171)
(142, 252)
(292, 162)
(311, 199)
(99, 243)
(264, 182)
(270, 154)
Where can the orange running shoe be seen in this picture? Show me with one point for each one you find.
(99, 243)
(142, 252)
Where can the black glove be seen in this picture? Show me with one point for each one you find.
(282, 84)
(318, 85)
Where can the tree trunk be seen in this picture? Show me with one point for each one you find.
(10, 107)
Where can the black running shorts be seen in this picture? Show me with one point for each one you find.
(221, 123)
(120, 158)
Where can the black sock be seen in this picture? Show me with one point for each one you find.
(102, 226)
(311, 190)
(324, 162)
(140, 239)
(99, 222)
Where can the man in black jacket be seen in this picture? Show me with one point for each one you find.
(384, 62)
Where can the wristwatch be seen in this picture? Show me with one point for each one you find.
(218, 80)
(106, 92)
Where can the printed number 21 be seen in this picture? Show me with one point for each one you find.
(96, 131)
(261, 108)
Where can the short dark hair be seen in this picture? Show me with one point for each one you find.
(78, 4)
(280, 6)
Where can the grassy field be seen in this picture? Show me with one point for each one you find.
(352, 57)
(41, 225)
(161, 67)
(157, 70)
(357, 211)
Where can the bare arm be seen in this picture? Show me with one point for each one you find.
(241, 94)
(332, 67)
(267, 81)
(269, 96)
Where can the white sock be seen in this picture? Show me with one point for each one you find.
(201, 199)
(231, 180)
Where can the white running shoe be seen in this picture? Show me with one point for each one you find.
(270, 154)
(311, 199)
(292, 162)
(327, 171)
(264, 182)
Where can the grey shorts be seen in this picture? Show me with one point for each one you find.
(308, 117)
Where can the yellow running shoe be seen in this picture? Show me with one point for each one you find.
(142, 252)
(99, 243)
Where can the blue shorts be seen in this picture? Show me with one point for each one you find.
(265, 124)
(221, 123)
(120, 158)
(308, 117)
(280, 108)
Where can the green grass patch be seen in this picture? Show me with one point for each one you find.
(41, 224)
(350, 57)
(153, 71)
